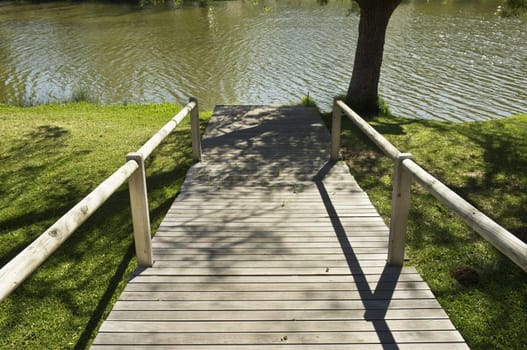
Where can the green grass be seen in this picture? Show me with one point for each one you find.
(51, 157)
(306, 101)
(485, 163)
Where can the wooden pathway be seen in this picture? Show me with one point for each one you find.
(271, 246)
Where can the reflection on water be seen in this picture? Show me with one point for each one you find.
(443, 60)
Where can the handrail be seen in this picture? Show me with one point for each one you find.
(158, 137)
(28, 260)
(385, 146)
(507, 243)
(405, 169)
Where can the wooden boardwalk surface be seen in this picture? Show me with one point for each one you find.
(271, 246)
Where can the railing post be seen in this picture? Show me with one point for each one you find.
(336, 122)
(140, 212)
(400, 208)
(194, 126)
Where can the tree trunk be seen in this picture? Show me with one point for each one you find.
(362, 93)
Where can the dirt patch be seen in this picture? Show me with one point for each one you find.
(465, 275)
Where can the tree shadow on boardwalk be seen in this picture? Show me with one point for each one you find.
(254, 162)
(241, 154)
(271, 151)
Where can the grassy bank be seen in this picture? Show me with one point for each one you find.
(52, 156)
(485, 162)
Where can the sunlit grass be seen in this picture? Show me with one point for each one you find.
(51, 157)
(486, 163)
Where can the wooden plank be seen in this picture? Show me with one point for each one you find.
(278, 214)
(338, 198)
(196, 258)
(243, 173)
(423, 314)
(374, 337)
(407, 346)
(307, 295)
(273, 326)
(271, 251)
(370, 231)
(263, 237)
(265, 263)
(243, 243)
(285, 220)
(344, 199)
(274, 271)
(273, 206)
(343, 191)
(299, 225)
(236, 305)
(135, 286)
(415, 277)
(259, 227)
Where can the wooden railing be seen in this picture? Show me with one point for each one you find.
(405, 169)
(27, 261)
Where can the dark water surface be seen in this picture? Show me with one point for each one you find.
(443, 59)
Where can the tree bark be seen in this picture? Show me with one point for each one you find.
(362, 95)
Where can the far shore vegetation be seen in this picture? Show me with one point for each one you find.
(513, 8)
(509, 8)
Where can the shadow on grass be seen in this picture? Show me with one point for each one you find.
(77, 285)
(484, 163)
(501, 179)
(505, 158)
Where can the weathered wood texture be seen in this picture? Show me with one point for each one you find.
(27, 261)
(140, 212)
(271, 246)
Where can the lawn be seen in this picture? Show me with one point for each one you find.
(52, 156)
(484, 293)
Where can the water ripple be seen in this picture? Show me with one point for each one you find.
(449, 62)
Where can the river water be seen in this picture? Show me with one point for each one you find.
(448, 60)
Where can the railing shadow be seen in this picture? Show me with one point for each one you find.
(375, 309)
(105, 300)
